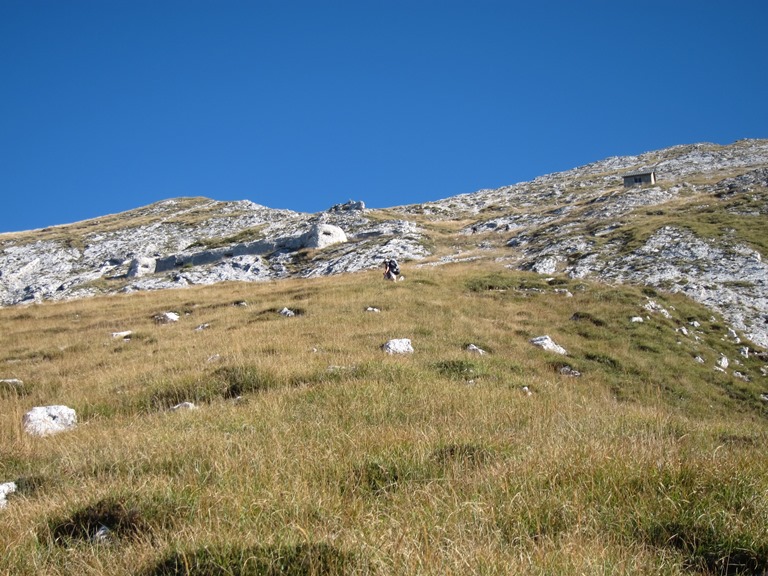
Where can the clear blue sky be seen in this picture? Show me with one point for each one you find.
(108, 105)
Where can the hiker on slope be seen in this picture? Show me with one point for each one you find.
(391, 269)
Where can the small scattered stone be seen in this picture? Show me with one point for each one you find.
(695, 324)
(744, 351)
(372, 309)
(5, 489)
(398, 346)
(741, 376)
(568, 371)
(101, 536)
(723, 362)
(636, 319)
(184, 406)
(699, 359)
(683, 330)
(764, 397)
(125, 334)
(527, 391)
(548, 344)
(166, 317)
(653, 306)
(202, 327)
(287, 312)
(475, 350)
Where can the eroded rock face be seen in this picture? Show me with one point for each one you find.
(46, 420)
(141, 267)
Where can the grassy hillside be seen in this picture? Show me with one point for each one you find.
(313, 452)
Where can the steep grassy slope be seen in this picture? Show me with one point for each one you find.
(314, 452)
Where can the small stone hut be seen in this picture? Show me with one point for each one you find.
(639, 178)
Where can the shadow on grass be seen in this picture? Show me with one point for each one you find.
(312, 559)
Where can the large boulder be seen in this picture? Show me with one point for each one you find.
(45, 420)
(322, 235)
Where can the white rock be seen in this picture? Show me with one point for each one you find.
(526, 391)
(636, 319)
(184, 406)
(287, 312)
(322, 235)
(202, 327)
(548, 344)
(398, 346)
(723, 362)
(695, 324)
(5, 489)
(125, 334)
(699, 359)
(45, 420)
(372, 309)
(744, 351)
(12, 382)
(653, 306)
(475, 350)
(166, 317)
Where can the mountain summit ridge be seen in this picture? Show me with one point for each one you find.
(699, 230)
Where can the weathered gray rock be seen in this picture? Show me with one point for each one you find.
(475, 350)
(141, 267)
(548, 344)
(569, 371)
(398, 346)
(46, 420)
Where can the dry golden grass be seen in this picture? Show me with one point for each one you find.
(313, 452)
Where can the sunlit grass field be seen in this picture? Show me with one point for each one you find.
(311, 451)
